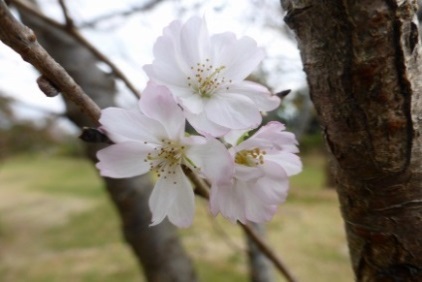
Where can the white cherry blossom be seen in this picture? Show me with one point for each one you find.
(206, 74)
(263, 164)
(152, 138)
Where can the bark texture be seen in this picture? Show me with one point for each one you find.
(362, 59)
(158, 249)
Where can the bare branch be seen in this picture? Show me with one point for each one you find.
(68, 18)
(128, 12)
(81, 39)
(23, 40)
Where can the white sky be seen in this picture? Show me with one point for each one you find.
(128, 42)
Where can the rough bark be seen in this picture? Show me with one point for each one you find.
(158, 249)
(362, 59)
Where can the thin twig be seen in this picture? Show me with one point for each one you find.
(81, 39)
(67, 17)
(202, 189)
(128, 12)
(267, 252)
(23, 40)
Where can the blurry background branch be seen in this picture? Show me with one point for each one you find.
(130, 11)
(23, 41)
(69, 28)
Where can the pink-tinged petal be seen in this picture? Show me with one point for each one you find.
(123, 160)
(271, 138)
(258, 93)
(194, 41)
(233, 111)
(123, 125)
(204, 126)
(158, 104)
(256, 210)
(281, 139)
(289, 162)
(273, 191)
(248, 173)
(238, 202)
(228, 199)
(273, 187)
(173, 197)
(240, 57)
(213, 160)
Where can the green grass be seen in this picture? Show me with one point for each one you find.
(57, 224)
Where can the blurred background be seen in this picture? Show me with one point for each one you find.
(56, 219)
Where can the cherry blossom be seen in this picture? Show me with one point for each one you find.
(263, 164)
(152, 138)
(206, 74)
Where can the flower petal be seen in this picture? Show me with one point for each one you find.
(233, 111)
(194, 41)
(255, 209)
(213, 160)
(258, 93)
(173, 197)
(123, 160)
(238, 201)
(192, 103)
(158, 104)
(240, 56)
(273, 135)
(228, 199)
(247, 173)
(233, 137)
(204, 126)
(273, 187)
(129, 125)
(219, 50)
(288, 161)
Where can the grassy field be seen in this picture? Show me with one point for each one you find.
(57, 224)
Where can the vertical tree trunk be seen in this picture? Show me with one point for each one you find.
(362, 60)
(158, 249)
(260, 268)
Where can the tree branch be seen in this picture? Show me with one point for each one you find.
(23, 40)
(69, 29)
(128, 12)
(67, 17)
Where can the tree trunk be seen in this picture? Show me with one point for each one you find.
(260, 268)
(362, 59)
(158, 248)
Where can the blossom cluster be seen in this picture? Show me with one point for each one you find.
(200, 78)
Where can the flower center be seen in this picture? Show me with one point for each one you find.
(250, 158)
(206, 79)
(163, 160)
